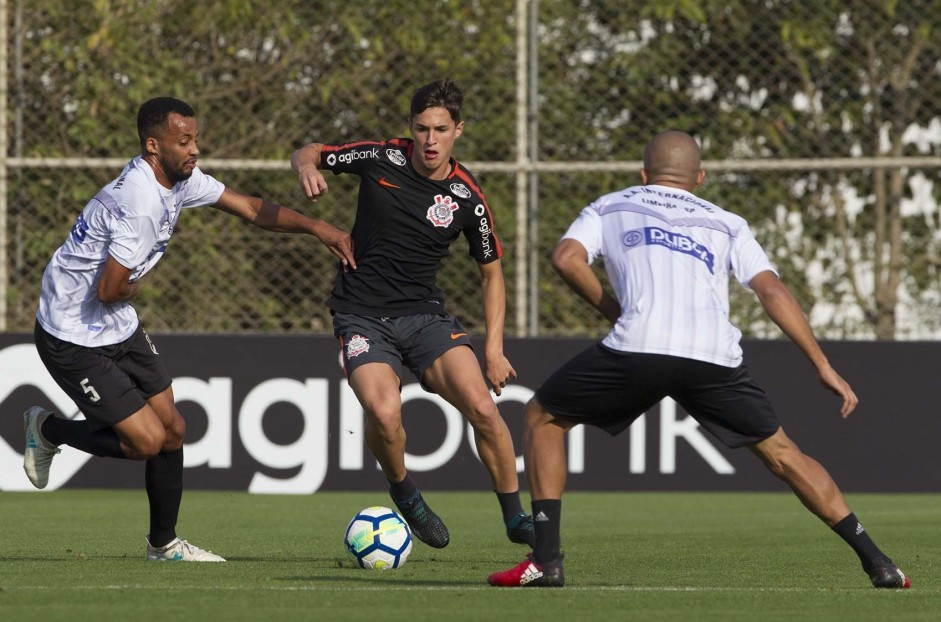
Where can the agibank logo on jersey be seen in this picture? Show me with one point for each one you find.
(673, 241)
(356, 154)
(441, 214)
(348, 157)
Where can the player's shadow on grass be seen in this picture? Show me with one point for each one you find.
(339, 561)
(322, 561)
(386, 578)
(348, 571)
(70, 558)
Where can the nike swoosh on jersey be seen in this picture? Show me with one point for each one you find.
(388, 184)
(458, 335)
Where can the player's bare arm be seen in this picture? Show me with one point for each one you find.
(280, 219)
(114, 283)
(781, 306)
(306, 163)
(498, 369)
(570, 260)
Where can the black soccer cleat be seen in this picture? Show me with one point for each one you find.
(885, 574)
(424, 523)
(521, 530)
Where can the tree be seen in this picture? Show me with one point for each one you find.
(264, 79)
(752, 79)
(867, 75)
(769, 79)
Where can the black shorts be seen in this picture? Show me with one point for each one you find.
(609, 389)
(107, 383)
(413, 340)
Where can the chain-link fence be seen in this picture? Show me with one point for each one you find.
(819, 123)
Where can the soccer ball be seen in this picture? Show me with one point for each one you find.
(378, 539)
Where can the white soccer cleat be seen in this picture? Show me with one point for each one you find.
(179, 550)
(39, 452)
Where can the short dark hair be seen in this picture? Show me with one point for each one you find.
(440, 93)
(154, 113)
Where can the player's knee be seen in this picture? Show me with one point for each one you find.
(781, 455)
(147, 446)
(387, 421)
(482, 412)
(175, 433)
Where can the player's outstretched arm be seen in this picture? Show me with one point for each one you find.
(781, 306)
(570, 260)
(274, 217)
(306, 163)
(497, 367)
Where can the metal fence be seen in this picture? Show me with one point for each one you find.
(819, 123)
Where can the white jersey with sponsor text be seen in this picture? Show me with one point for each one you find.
(668, 255)
(130, 219)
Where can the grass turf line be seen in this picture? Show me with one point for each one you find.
(78, 555)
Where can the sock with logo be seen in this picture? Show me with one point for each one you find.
(163, 478)
(547, 516)
(77, 434)
(403, 491)
(852, 531)
(510, 505)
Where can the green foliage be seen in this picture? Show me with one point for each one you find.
(765, 80)
(751, 79)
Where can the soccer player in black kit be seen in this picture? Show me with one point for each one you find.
(414, 201)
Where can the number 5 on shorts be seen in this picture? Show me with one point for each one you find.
(90, 390)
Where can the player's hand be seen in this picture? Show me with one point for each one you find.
(312, 182)
(499, 371)
(834, 382)
(340, 243)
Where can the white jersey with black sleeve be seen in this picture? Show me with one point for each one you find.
(668, 255)
(130, 219)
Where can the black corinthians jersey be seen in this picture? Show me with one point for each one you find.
(405, 224)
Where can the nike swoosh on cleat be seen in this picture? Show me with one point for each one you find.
(458, 335)
(388, 184)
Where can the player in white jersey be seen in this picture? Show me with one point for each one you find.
(668, 255)
(89, 337)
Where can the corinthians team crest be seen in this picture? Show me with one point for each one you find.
(356, 346)
(442, 212)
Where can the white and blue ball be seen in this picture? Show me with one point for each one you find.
(378, 539)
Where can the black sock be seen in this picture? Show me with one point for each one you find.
(852, 531)
(163, 478)
(403, 491)
(61, 431)
(547, 516)
(510, 505)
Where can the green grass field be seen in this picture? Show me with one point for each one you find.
(78, 555)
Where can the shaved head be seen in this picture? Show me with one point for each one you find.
(672, 159)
